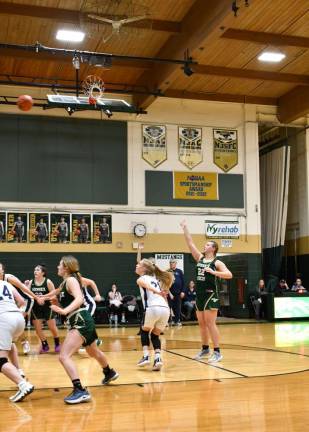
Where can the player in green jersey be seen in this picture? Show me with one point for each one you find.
(208, 270)
(81, 328)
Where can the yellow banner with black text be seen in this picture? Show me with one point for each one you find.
(195, 186)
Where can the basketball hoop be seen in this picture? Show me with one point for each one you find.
(93, 87)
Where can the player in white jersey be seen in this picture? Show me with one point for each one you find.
(154, 285)
(29, 298)
(12, 325)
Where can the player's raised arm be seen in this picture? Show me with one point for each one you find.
(193, 249)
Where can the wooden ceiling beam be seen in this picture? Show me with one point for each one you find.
(294, 104)
(221, 97)
(250, 74)
(266, 38)
(200, 21)
(198, 68)
(43, 56)
(75, 17)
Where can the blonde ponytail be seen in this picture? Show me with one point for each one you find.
(166, 278)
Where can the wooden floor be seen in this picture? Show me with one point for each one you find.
(262, 384)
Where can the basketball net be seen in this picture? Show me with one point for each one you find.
(93, 87)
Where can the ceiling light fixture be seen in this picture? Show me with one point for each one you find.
(271, 57)
(70, 35)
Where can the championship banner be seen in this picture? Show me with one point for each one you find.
(81, 228)
(38, 228)
(154, 144)
(163, 260)
(222, 229)
(60, 227)
(225, 148)
(195, 186)
(17, 227)
(2, 227)
(102, 228)
(190, 146)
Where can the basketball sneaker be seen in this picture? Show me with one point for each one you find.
(26, 347)
(144, 361)
(44, 349)
(202, 353)
(82, 350)
(77, 396)
(57, 348)
(109, 376)
(24, 389)
(215, 357)
(157, 364)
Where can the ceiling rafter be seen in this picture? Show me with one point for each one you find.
(221, 97)
(250, 74)
(266, 38)
(293, 104)
(200, 21)
(74, 17)
(198, 68)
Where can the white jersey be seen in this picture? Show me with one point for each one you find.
(7, 276)
(7, 301)
(150, 298)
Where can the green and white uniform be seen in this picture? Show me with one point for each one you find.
(79, 319)
(207, 295)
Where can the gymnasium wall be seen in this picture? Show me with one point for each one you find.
(297, 236)
(105, 261)
(63, 160)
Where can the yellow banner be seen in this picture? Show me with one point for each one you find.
(225, 149)
(195, 186)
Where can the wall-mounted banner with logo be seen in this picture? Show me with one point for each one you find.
(154, 144)
(163, 260)
(222, 229)
(225, 149)
(195, 186)
(190, 146)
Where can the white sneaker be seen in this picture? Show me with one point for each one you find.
(82, 351)
(202, 353)
(215, 357)
(157, 364)
(145, 360)
(25, 388)
(26, 347)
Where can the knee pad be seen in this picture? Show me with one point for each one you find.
(3, 360)
(156, 343)
(144, 338)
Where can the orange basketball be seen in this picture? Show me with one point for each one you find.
(25, 102)
(92, 100)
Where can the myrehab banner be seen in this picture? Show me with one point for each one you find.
(222, 229)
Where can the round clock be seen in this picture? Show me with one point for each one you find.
(139, 230)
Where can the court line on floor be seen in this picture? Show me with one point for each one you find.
(266, 349)
(207, 364)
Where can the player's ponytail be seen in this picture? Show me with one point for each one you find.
(72, 266)
(166, 278)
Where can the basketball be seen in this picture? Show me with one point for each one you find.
(25, 102)
(92, 100)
